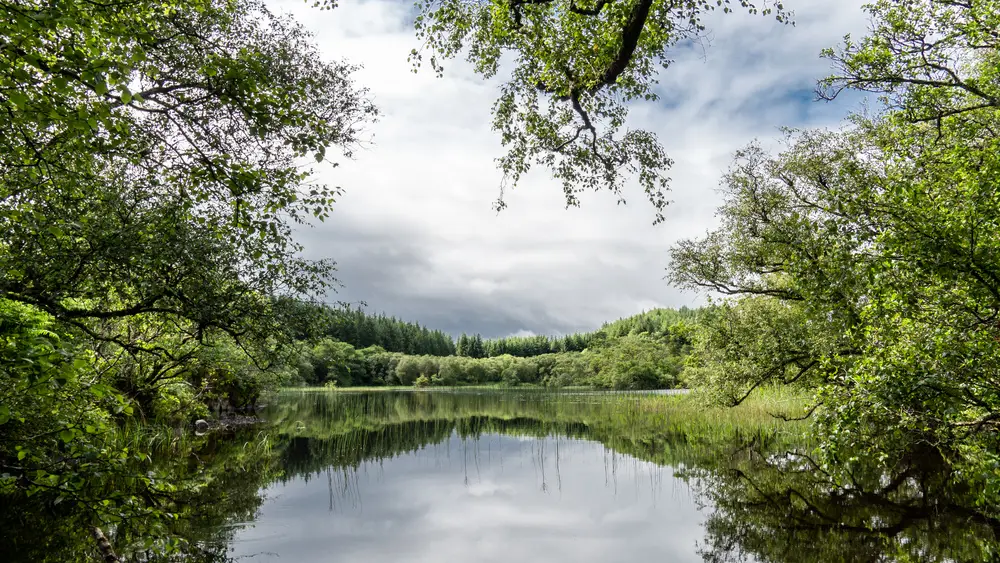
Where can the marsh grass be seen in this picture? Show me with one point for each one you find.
(654, 427)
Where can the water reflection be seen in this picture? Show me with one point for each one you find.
(784, 507)
(537, 473)
(491, 476)
(491, 498)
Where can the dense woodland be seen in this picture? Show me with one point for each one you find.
(360, 329)
(645, 351)
(153, 165)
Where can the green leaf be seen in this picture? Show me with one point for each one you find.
(4, 414)
(67, 435)
(18, 98)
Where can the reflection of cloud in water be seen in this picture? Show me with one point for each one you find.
(489, 489)
(497, 498)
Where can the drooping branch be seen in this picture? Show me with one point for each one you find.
(630, 35)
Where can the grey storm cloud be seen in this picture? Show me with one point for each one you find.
(391, 271)
(415, 235)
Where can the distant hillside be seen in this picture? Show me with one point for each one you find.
(361, 329)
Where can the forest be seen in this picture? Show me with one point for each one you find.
(156, 157)
(645, 351)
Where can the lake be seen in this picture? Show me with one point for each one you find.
(526, 475)
(537, 476)
(494, 497)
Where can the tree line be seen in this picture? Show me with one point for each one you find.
(640, 352)
(521, 346)
(636, 361)
(361, 329)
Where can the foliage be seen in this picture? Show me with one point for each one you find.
(55, 411)
(552, 361)
(877, 246)
(198, 512)
(151, 163)
(151, 175)
(783, 507)
(527, 346)
(471, 346)
(576, 67)
(635, 362)
(631, 362)
(70, 452)
(757, 341)
(671, 325)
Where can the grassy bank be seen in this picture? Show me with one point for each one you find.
(333, 412)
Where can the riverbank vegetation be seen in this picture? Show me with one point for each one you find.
(150, 174)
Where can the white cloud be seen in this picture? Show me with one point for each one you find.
(415, 234)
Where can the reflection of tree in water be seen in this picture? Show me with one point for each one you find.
(342, 460)
(217, 480)
(761, 505)
(786, 508)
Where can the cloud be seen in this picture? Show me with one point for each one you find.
(415, 235)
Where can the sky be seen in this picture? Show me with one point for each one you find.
(415, 234)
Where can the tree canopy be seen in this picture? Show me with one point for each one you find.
(151, 170)
(153, 167)
(151, 159)
(867, 257)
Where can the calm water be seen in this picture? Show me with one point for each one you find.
(575, 477)
(520, 476)
(492, 498)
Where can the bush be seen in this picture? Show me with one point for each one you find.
(449, 372)
(635, 361)
(408, 370)
(474, 372)
(571, 368)
(509, 377)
